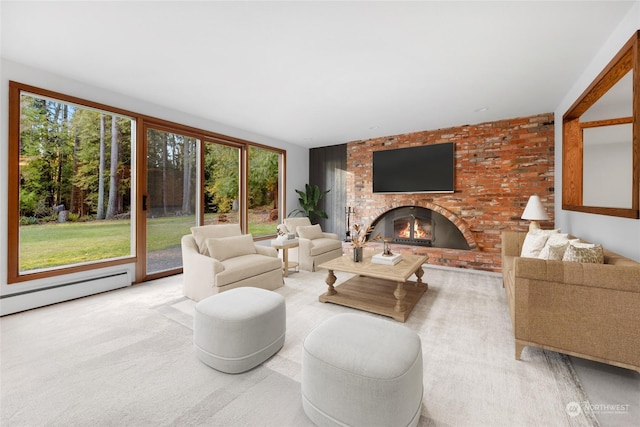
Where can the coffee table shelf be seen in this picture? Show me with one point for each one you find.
(377, 288)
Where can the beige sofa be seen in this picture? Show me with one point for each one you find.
(216, 258)
(586, 310)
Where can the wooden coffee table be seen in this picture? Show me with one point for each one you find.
(377, 288)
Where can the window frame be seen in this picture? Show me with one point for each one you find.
(142, 122)
(13, 215)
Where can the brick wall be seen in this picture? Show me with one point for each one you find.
(498, 166)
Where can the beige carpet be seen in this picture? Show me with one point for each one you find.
(125, 358)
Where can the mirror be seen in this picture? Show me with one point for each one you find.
(607, 166)
(600, 142)
(607, 150)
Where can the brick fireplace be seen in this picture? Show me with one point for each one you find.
(420, 226)
(498, 166)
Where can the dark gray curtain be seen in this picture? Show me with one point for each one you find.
(328, 170)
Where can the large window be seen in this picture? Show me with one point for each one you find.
(85, 194)
(74, 184)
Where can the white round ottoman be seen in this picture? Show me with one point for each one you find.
(238, 329)
(362, 371)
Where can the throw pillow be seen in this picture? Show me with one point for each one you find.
(204, 232)
(230, 247)
(310, 232)
(554, 247)
(534, 242)
(292, 224)
(556, 252)
(584, 252)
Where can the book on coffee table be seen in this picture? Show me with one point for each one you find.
(386, 259)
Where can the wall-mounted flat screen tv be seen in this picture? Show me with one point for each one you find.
(423, 169)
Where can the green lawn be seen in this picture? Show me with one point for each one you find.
(52, 245)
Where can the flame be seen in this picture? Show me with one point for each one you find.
(418, 231)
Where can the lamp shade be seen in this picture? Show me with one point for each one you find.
(534, 210)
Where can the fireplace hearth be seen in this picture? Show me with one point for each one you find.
(418, 226)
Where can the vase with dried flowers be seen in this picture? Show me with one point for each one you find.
(359, 240)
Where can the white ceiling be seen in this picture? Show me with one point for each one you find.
(318, 73)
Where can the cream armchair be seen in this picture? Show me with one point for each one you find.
(315, 245)
(216, 258)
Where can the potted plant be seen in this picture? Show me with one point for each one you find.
(309, 199)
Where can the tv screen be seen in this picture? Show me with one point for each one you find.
(424, 169)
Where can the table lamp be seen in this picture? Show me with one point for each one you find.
(534, 211)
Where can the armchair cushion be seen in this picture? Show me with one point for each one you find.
(202, 233)
(224, 248)
(292, 224)
(333, 236)
(310, 232)
(266, 251)
(323, 245)
(246, 266)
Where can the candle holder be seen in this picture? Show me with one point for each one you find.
(386, 247)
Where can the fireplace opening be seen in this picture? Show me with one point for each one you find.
(413, 230)
(418, 226)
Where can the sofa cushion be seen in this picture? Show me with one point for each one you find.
(310, 232)
(584, 252)
(230, 247)
(323, 244)
(204, 232)
(534, 242)
(556, 252)
(246, 266)
(555, 246)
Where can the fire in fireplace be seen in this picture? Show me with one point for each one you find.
(411, 229)
(415, 225)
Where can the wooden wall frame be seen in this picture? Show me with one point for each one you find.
(627, 59)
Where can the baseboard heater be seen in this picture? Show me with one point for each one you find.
(39, 297)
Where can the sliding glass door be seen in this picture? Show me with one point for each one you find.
(222, 184)
(264, 182)
(170, 201)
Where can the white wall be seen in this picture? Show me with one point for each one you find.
(297, 166)
(620, 235)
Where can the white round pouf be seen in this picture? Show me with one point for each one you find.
(362, 371)
(238, 329)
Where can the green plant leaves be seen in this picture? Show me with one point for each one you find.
(309, 200)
